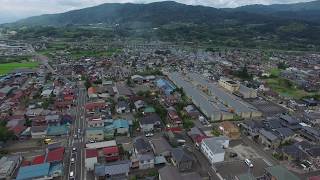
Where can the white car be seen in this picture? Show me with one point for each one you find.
(72, 160)
(74, 149)
(248, 162)
(71, 174)
(149, 135)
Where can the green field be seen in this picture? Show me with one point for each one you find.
(286, 88)
(275, 72)
(8, 67)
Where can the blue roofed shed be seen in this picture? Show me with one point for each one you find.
(57, 130)
(121, 126)
(33, 171)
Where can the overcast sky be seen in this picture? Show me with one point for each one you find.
(11, 10)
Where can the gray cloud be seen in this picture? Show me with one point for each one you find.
(11, 10)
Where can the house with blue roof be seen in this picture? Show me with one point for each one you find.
(38, 171)
(58, 130)
(121, 126)
(166, 86)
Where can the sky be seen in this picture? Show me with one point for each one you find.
(12, 10)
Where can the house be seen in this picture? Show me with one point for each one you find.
(101, 145)
(174, 118)
(91, 159)
(8, 166)
(172, 173)
(161, 147)
(284, 134)
(92, 93)
(146, 161)
(123, 91)
(121, 126)
(38, 171)
(192, 111)
(182, 159)
(252, 127)
(53, 119)
(114, 170)
(279, 173)
(95, 122)
(150, 122)
(137, 79)
(170, 100)
(38, 132)
(58, 130)
(122, 107)
(196, 135)
(148, 110)
(111, 153)
(289, 122)
(166, 86)
(139, 104)
(269, 139)
(141, 145)
(213, 148)
(95, 134)
(230, 130)
(294, 153)
(95, 106)
(55, 155)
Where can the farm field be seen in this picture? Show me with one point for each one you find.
(8, 67)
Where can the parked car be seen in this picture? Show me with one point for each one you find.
(249, 163)
(233, 155)
(149, 134)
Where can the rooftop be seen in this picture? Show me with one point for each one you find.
(33, 171)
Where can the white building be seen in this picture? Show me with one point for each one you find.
(213, 148)
(91, 159)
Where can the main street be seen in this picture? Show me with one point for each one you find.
(77, 141)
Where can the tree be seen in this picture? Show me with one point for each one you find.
(87, 83)
(5, 133)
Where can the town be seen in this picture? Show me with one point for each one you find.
(158, 111)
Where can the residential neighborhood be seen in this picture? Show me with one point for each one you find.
(161, 112)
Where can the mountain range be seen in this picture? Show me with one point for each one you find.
(160, 13)
(288, 27)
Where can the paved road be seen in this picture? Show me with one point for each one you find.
(78, 142)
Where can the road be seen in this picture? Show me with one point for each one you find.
(78, 167)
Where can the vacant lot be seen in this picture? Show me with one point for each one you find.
(8, 67)
(286, 88)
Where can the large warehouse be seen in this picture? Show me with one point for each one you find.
(210, 107)
(238, 106)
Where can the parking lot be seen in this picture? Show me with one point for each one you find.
(229, 169)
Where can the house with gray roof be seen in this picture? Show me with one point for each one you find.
(182, 159)
(214, 148)
(269, 139)
(115, 170)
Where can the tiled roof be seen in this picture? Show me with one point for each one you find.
(91, 153)
(55, 155)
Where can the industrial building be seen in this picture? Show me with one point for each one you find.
(213, 101)
(234, 103)
(213, 109)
